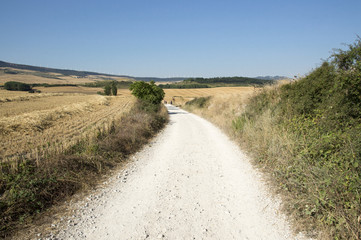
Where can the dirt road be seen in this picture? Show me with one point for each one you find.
(191, 182)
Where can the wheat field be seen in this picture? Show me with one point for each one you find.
(181, 96)
(34, 126)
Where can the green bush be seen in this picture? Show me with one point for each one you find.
(17, 86)
(148, 92)
(114, 88)
(107, 90)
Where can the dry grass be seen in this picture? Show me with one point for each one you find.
(51, 123)
(182, 96)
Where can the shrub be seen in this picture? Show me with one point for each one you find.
(114, 88)
(17, 86)
(148, 92)
(110, 88)
(107, 90)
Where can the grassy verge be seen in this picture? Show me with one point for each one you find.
(306, 136)
(30, 187)
(315, 169)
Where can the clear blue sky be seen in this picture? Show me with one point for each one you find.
(167, 38)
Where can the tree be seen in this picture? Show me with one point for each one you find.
(107, 90)
(114, 88)
(17, 86)
(148, 92)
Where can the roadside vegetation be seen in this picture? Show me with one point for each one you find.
(306, 135)
(31, 183)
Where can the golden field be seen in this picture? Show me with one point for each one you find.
(34, 125)
(181, 96)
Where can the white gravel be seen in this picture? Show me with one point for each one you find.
(191, 182)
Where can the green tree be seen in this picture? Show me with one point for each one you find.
(114, 88)
(17, 86)
(148, 92)
(107, 89)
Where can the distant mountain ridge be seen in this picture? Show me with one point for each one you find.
(68, 72)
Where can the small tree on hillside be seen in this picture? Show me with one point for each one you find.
(114, 88)
(107, 89)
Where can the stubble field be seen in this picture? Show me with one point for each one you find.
(35, 125)
(181, 96)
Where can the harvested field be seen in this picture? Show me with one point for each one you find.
(79, 89)
(43, 102)
(70, 89)
(52, 123)
(183, 95)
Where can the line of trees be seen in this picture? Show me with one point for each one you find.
(181, 86)
(233, 80)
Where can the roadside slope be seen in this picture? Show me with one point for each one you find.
(191, 182)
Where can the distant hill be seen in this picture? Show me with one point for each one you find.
(67, 72)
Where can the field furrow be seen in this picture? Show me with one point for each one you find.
(48, 130)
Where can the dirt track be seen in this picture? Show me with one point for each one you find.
(191, 182)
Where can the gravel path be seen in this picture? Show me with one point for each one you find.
(191, 182)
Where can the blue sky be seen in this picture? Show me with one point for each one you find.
(168, 38)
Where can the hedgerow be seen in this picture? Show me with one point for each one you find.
(316, 126)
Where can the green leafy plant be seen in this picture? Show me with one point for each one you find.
(114, 88)
(148, 92)
(107, 89)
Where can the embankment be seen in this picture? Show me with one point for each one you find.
(306, 136)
